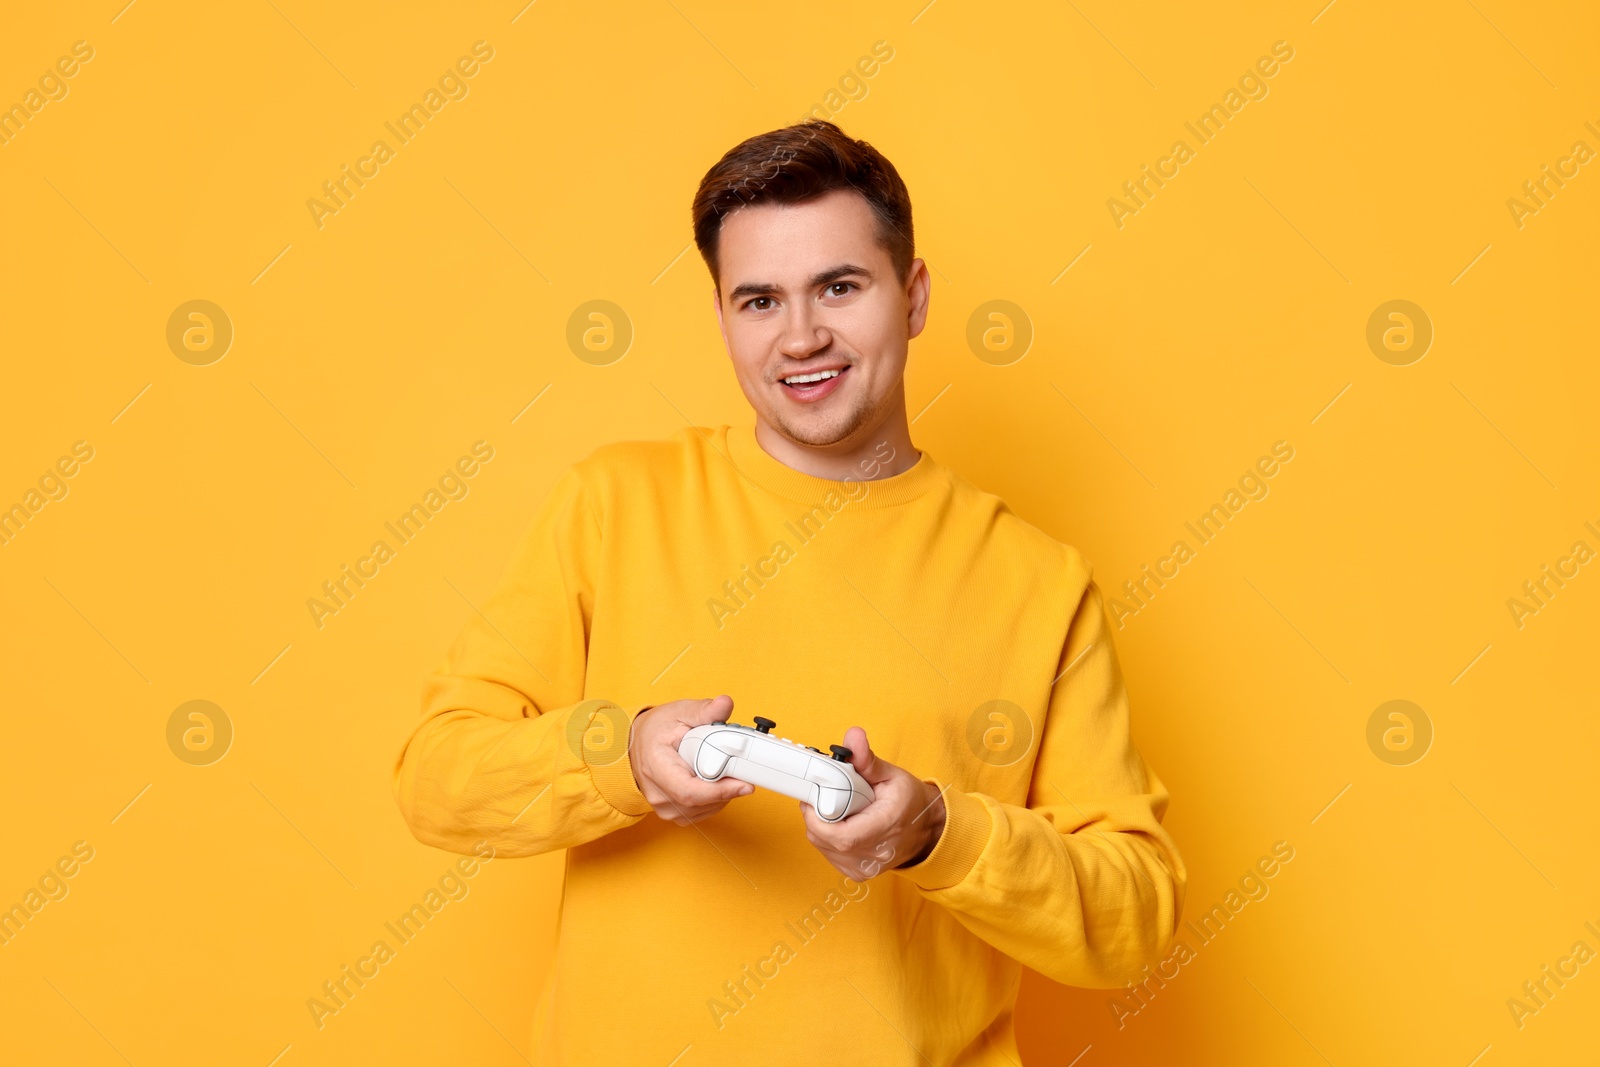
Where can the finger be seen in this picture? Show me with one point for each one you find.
(671, 771)
(862, 758)
(668, 792)
(696, 812)
(861, 834)
(716, 709)
(839, 837)
(818, 831)
(685, 787)
(685, 816)
(876, 816)
(702, 794)
(674, 773)
(667, 811)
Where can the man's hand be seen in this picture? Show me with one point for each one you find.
(900, 826)
(670, 785)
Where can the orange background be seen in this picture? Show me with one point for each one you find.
(1230, 312)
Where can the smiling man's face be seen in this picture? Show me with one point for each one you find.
(815, 320)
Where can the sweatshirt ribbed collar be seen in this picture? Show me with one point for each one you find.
(776, 477)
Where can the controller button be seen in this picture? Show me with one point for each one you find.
(841, 753)
(764, 725)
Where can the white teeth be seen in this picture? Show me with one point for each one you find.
(821, 375)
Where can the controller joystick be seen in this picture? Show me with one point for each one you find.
(764, 725)
(841, 753)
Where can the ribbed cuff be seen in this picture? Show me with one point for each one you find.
(967, 826)
(609, 764)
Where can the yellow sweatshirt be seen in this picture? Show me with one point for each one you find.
(972, 648)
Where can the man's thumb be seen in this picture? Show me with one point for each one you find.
(861, 755)
(716, 709)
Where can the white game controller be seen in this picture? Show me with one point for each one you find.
(753, 755)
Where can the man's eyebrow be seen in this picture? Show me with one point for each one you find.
(832, 274)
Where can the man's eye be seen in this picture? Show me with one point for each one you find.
(842, 285)
(757, 300)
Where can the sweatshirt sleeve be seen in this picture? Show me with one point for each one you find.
(1083, 885)
(508, 751)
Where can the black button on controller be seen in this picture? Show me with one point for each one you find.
(841, 753)
(764, 725)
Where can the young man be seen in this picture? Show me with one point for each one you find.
(817, 570)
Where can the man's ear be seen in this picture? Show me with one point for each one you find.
(918, 293)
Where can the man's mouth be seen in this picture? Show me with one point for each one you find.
(815, 385)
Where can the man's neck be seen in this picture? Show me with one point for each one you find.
(863, 459)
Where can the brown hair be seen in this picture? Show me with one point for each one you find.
(797, 163)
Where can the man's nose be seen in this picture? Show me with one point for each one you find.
(803, 334)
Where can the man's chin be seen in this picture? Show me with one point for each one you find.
(817, 431)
